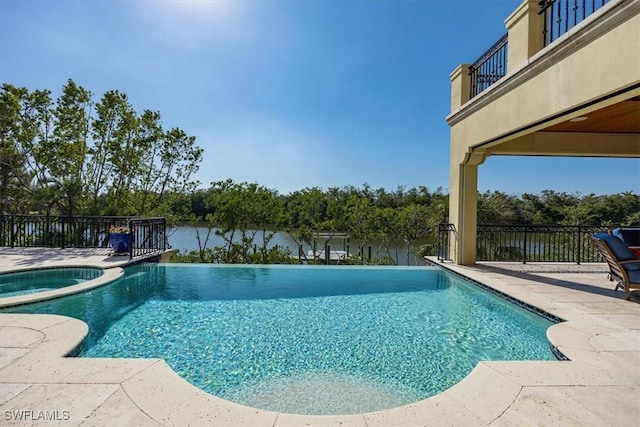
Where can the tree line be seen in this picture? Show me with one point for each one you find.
(243, 213)
(74, 155)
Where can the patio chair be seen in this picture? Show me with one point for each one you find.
(623, 264)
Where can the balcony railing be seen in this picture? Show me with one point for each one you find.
(148, 235)
(559, 17)
(529, 243)
(562, 15)
(490, 67)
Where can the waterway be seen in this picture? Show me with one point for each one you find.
(184, 239)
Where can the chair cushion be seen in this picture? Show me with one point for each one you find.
(619, 248)
(631, 266)
(634, 276)
(629, 235)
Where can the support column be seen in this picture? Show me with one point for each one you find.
(463, 208)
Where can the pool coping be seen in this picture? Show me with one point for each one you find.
(107, 276)
(599, 385)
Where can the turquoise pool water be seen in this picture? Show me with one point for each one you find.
(29, 282)
(307, 340)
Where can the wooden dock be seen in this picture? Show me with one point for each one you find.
(334, 255)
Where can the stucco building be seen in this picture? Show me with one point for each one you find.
(563, 81)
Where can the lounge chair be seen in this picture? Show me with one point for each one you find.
(623, 264)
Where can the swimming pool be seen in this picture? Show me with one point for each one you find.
(28, 282)
(308, 340)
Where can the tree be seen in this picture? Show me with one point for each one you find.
(413, 225)
(68, 146)
(13, 163)
(26, 131)
(362, 220)
(242, 211)
(77, 157)
(497, 208)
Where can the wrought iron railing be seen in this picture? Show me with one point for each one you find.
(446, 235)
(148, 235)
(537, 243)
(490, 67)
(530, 243)
(562, 15)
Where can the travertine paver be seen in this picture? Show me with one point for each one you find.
(440, 410)
(108, 371)
(9, 391)
(59, 402)
(12, 337)
(538, 373)
(472, 393)
(600, 386)
(203, 409)
(537, 406)
(119, 410)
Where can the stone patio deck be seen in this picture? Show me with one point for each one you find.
(600, 385)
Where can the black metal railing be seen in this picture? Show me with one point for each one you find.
(490, 67)
(562, 15)
(530, 243)
(537, 243)
(148, 235)
(446, 235)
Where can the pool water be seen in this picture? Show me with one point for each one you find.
(29, 282)
(306, 340)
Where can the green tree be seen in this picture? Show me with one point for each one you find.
(497, 208)
(413, 225)
(241, 211)
(13, 162)
(26, 130)
(67, 148)
(67, 157)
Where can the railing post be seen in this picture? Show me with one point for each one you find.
(131, 238)
(13, 232)
(62, 233)
(579, 243)
(524, 249)
(164, 234)
(47, 232)
(314, 253)
(443, 246)
(326, 252)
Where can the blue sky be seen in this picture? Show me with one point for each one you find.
(290, 93)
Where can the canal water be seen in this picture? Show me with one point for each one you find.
(184, 239)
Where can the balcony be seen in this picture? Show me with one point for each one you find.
(557, 18)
